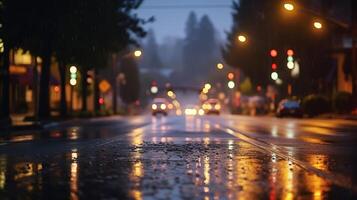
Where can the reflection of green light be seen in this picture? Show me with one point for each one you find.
(290, 59)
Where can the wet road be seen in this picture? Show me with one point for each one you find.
(177, 157)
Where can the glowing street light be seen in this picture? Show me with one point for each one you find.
(208, 86)
(137, 53)
(317, 25)
(242, 38)
(220, 66)
(289, 6)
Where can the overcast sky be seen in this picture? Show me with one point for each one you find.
(171, 15)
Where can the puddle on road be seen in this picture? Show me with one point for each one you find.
(206, 169)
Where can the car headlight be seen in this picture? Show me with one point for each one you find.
(163, 106)
(201, 112)
(217, 107)
(209, 106)
(154, 106)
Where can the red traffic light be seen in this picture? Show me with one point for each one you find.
(273, 53)
(274, 66)
(230, 76)
(101, 100)
(290, 52)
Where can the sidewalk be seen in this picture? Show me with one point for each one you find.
(19, 122)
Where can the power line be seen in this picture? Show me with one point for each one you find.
(158, 7)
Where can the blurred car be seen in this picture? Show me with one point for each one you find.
(289, 108)
(212, 106)
(159, 106)
(192, 110)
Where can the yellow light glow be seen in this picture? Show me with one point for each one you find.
(242, 38)
(205, 90)
(137, 53)
(201, 112)
(208, 86)
(170, 106)
(154, 106)
(163, 106)
(318, 25)
(170, 94)
(178, 112)
(220, 66)
(217, 107)
(289, 6)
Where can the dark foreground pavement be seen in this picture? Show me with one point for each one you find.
(226, 157)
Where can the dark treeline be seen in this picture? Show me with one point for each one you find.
(81, 33)
(192, 58)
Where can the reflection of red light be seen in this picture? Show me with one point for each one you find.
(273, 53)
(274, 66)
(290, 52)
(101, 100)
(56, 89)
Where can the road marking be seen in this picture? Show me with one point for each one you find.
(337, 179)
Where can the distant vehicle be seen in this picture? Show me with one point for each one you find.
(159, 106)
(211, 106)
(289, 108)
(192, 110)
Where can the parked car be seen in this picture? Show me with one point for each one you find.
(212, 106)
(159, 106)
(289, 108)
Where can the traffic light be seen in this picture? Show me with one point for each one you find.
(73, 75)
(290, 63)
(273, 53)
(290, 52)
(154, 89)
(230, 75)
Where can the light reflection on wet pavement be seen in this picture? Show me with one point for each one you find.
(171, 158)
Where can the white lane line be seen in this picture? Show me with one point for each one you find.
(337, 179)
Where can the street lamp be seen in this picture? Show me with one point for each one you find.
(220, 66)
(208, 86)
(317, 25)
(137, 53)
(289, 6)
(242, 38)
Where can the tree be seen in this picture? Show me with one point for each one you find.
(190, 45)
(130, 87)
(151, 49)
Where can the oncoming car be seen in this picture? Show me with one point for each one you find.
(212, 106)
(159, 106)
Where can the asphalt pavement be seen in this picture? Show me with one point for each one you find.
(182, 157)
